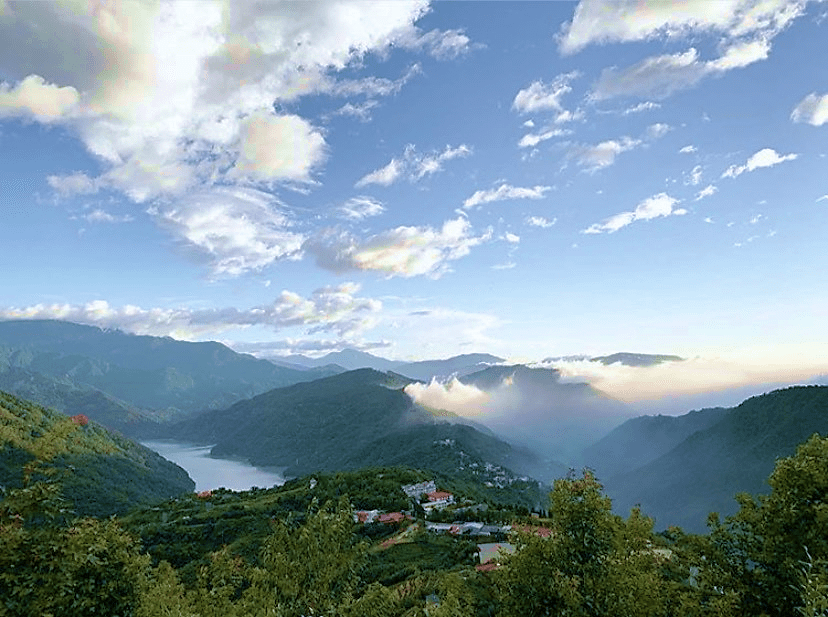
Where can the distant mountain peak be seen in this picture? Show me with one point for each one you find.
(636, 359)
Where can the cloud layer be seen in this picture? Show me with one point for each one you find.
(329, 309)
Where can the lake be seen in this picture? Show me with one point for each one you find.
(211, 473)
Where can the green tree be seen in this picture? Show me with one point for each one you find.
(761, 549)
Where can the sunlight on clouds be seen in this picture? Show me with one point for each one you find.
(701, 374)
(46, 102)
(454, 396)
(605, 21)
(278, 147)
(403, 251)
(813, 109)
(161, 128)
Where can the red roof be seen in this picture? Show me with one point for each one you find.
(391, 517)
(438, 495)
(80, 419)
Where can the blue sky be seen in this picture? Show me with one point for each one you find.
(422, 180)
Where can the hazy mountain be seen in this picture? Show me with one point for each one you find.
(70, 397)
(534, 407)
(350, 359)
(102, 473)
(636, 359)
(641, 440)
(737, 453)
(457, 365)
(138, 374)
(338, 422)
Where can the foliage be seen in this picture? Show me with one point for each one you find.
(101, 472)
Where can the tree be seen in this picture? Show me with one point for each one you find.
(763, 547)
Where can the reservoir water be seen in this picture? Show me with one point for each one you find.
(210, 473)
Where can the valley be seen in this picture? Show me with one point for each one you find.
(318, 468)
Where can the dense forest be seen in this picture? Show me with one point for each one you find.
(297, 549)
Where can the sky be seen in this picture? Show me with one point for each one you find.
(419, 180)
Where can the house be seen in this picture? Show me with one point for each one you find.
(416, 491)
(391, 517)
(438, 500)
(490, 554)
(366, 516)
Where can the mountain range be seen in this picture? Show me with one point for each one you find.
(355, 419)
(679, 469)
(528, 421)
(130, 382)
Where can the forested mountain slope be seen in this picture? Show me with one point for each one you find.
(704, 472)
(135, 379)
(102, 473)
(643, 439)
(343, 422)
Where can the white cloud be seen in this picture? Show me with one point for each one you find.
(162, 128)
(529, 124)
(99, 215)
(240, 229)
(701, 375)
(645, 106)
(539, 221)
(361, 111)
(278, 148)
(453, 396)
(369, 86)
(740, 55)
(530, 140)
(361, 207)
(694, 177)
(707, 191)
(413, 165)
(440, 44)
(329, 309)
(603, 154)
(539, 97)
(505, 192)
(33, 96)
(511, 238)
(813, 109)
(653, 207)
(384, 175)
(688, 150)
(767, 157)
(658, 130)
(606, 21)
(403, 251)
(76, 183)
(430, 164)
(823, 198)
(660, 76)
